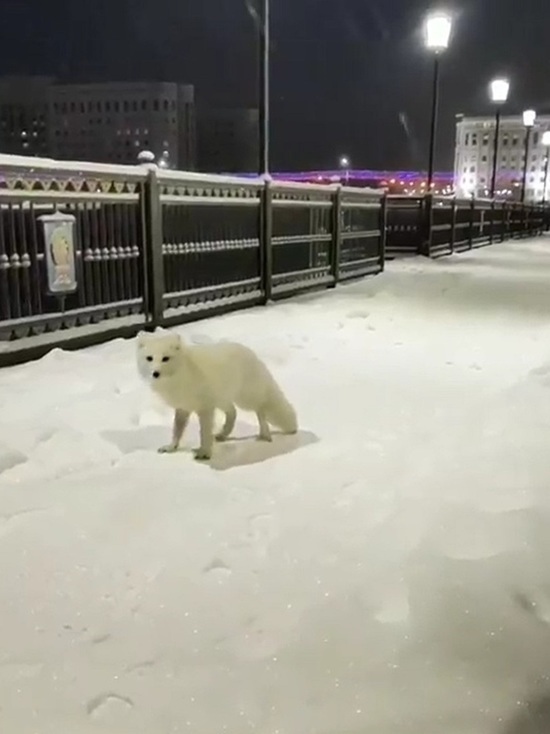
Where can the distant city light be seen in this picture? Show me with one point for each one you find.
(546, 139)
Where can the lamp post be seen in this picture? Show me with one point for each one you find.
(437, 35)
(264, 90)
(344, 165)
(546, 143)
(499, 90)
(529, 118)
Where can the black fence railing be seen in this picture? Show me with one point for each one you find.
(154, 247)
(148, 247)
(435, 226)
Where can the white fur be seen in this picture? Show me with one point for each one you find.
(202, 378)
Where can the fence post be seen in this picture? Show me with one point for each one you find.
(336, 242)
(427, 223)
(152, 247)
(524, 221)
(266, 239)
(505, 222)
(383, 226)
(453, 225)
(492, 238)
(472, 220)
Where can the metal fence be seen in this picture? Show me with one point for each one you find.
(156, 247)
(436, 226)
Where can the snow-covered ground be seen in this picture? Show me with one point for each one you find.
(385, 572)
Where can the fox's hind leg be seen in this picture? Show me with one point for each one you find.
(265, 430)
(181, 418)
(229, 425)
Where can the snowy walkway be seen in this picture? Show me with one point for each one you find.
(373, 575)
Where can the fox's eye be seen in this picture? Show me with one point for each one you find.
(165, 359)
(149, 359)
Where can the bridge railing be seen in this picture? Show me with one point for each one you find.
(156, 247)
(436, 226)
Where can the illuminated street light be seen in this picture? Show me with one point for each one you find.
(437, 37)
(499, 91)
(345, 165)
(529, 119)
(438, 31)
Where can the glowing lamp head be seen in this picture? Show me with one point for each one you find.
(438, 31)
(500, 88)
(529, 118)
(344, 161)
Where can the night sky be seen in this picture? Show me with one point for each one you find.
(349, 76)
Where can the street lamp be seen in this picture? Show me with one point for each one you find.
(546, 144)
(499, 89)
(264, 83)
(529, 118)
(345, 164)
(437, 36)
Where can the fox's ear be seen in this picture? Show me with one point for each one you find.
(142, 338)
(176, 341)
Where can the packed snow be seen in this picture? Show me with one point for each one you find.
(385, 571)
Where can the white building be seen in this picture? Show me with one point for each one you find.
(474, 152)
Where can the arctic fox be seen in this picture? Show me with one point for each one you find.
(202, 378)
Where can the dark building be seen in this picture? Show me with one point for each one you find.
(113, 122)
(105, 123)
(24, 115)
(228, 140)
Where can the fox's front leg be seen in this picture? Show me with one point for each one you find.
(181, 418)
(206, 422)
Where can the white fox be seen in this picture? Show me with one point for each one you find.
(202, 378)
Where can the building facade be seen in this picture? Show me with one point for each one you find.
(24, 115)
(228, 140)
(474, 153)
(106, 123)
(113, 122)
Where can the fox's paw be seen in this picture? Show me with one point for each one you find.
(169, 449)
(202, 455)
(265, 437)
(221, 437)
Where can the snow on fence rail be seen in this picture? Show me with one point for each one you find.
(154, 247)
(435, 226)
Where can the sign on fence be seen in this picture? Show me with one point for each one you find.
(60, 252)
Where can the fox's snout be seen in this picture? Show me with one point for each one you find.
(156, 374)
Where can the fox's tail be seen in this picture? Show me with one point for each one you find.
(280, 413)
